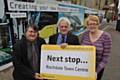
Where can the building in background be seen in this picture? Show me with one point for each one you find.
(109, 6)
(97, 4)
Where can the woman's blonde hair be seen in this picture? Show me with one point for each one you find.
(92, 18)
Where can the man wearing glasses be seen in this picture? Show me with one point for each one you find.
(64, 36)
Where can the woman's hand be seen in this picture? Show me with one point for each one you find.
(96, 75)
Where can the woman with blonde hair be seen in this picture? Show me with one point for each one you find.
(101, 40)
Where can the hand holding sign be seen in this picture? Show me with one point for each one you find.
(63, 45)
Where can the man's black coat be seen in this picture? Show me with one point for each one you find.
(22, 68)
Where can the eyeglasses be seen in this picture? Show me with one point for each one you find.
(93, 24)
(63, 26)
(32, 31)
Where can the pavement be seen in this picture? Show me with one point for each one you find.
(6, 74)
(112, 71)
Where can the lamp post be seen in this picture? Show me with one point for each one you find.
(99, 4)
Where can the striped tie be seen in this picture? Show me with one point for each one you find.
(63, 39)
(34, 58)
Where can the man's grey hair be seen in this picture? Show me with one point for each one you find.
(64, 19)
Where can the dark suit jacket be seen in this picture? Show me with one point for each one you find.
(71, 39)
(22, 68)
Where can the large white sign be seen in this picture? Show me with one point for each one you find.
(27, 6)
(75, 61)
